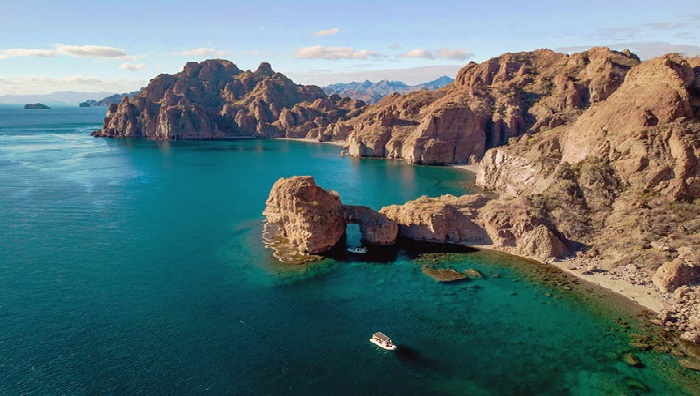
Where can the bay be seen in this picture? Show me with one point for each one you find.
(136, 267)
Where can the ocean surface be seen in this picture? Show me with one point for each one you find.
(136, 267)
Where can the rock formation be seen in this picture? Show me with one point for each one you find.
(622, 181)
(310, 220)
(215, 99)
(36, 106)
(305, 219)
(488, 104)
(306, 216)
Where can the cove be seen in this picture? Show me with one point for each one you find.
(133, 266)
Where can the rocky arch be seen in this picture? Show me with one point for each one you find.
(376, 228)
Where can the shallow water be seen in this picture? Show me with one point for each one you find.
(136, 267)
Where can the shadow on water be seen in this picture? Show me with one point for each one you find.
(388, 254)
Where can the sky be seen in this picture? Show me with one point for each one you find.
(90, 46)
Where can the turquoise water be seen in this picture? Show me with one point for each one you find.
(136, 267)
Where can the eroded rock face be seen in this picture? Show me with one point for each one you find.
(215, 99)
(488, 104)
(624, 175)
(440, 220)
(304, 215)
(375, 227)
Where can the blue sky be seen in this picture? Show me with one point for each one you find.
(48, 46)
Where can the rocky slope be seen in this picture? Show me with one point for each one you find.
(488, 104)
(215, 99)
(621, 184)
(370, 92)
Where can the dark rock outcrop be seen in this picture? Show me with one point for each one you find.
(215, 99)
(36, 106)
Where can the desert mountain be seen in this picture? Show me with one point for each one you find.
(108, 100)
(488, 104)
(215, 99)
(370, 92)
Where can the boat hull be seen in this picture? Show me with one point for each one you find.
(382, 345)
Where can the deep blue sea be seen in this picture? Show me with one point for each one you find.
(134, 267)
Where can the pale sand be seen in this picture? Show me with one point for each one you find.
(340, 143)
(474, 168)
(646, 296)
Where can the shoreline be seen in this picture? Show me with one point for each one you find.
(340, 143)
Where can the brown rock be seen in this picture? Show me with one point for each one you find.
(444, 274)
(308, 217)
(676, 273)
(444, 219)
(690, 364)
(488, 103)
(375, 227)
(215, 99)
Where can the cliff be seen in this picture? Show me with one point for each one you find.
(215, 99)
(621, 184)
(488, 104)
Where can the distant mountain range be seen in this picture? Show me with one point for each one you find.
(61, 97)
(372, 92)
(116, 98)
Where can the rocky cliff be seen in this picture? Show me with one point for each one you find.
(621, 184)
(488, 104)
(215, 99)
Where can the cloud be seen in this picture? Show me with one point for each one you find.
(327, 32)
(78, 51)
(203, 52)
(419, 53)
(453, 54)
(132, 66)
(395, 46)
(334, 53)
(88, 51)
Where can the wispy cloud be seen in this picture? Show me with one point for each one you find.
(87, 51)
(203, 52)
(79, 51)
(444, 53)
(453, 54)
(419, 53)
(327, 32)
(28, 85)
(132, 66)
(334, 53)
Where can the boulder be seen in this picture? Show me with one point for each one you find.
(306, 216)
(443, 274)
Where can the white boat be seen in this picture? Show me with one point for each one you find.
(359, 250)
(382, 341)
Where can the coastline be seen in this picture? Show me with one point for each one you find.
(339, 143)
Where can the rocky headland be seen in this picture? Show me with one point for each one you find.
(214, 99)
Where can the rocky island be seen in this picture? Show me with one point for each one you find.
(36, 106)
(593, 156)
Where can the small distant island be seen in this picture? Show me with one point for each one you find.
(84, 104)
(36, 106)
